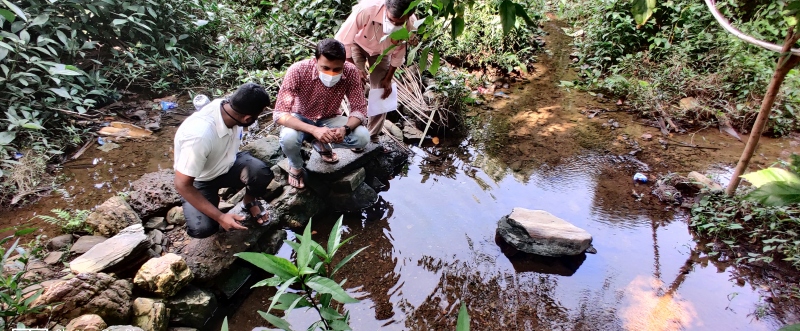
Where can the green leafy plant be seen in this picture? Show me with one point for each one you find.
(775, 187)
(70, 221)
(448, 16)
(313, 273)
(13, 302)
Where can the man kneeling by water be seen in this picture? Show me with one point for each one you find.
(308, 106)
(207, 158)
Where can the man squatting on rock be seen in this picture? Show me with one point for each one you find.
(308, 107)
(207, 158)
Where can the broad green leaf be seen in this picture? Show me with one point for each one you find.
(642, 10)
(346, 259)
(335, 236)
(41, 19)
(61, 92)
(270, 263)
(119, 21)
(272, 281)
(793, 327)
(328, 286)
(61, 36)
(412, 55)
(401, 34)
(411, 7)
(457, 24)
(771, 175)
(287, 299)
(6, 46)
(301, 301)
(16, 10)
(521, 12)
(276, 321)
(224, 324)
(281, 291)
(22, 232)
(380, 57)
(33, 126)
(339, 325)
(64, 72)
(508, 12)
(463, 318)
(776, 194)
(3, 53)
(6, 137)
(330, 314)
(317, 325)
(304, 253)
(8, 15)
(423, 59)
(435, 63)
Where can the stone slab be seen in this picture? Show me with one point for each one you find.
(124, 247)
(539, 232)
(348, 161)
(349, 182)
(85, 243)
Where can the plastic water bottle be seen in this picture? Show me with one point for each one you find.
(200, 101)
(640, 177)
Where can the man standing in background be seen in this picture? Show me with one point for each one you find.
(363, 37)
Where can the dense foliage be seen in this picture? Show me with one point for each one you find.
(680, 52)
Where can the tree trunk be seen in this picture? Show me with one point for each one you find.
(786, 62)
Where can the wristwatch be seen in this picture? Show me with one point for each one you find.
(347, 130)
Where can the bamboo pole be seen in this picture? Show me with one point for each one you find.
(786, 62)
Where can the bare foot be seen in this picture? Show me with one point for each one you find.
(296, 178)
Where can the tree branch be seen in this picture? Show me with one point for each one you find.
(712, 6)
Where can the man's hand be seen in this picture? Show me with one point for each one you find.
(363, 75)
(325, 135)
(386, 84)
(340, 132)
(230, 222)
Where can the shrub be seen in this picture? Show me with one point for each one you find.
(70, 221)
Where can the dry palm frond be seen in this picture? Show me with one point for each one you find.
(411, 94)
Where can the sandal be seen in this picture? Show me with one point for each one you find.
(254, 219)
(328, 156)
(357, 150)
(299, 177)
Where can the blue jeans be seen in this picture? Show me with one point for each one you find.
(292, 140)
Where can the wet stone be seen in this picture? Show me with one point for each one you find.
(267, 149)
(158, 223)
(349, 182)
(60, 242)
(53, 257)
(112, 216)
(363, 197)
(120, 250)
(85, 243)
(191, 307)
(175, 216)
(348, 161)
(539, 232)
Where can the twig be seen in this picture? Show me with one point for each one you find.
(72, 113)
(83, 149)
(683, 144)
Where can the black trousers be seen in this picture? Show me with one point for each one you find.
(247, 171)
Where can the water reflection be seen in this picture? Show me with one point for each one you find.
(432, 246)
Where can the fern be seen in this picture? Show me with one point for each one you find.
(69, 221)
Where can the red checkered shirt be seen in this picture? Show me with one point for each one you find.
(303, 93)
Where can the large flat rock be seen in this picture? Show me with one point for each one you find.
(539, 232)
(121, 250)
(348, 161)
